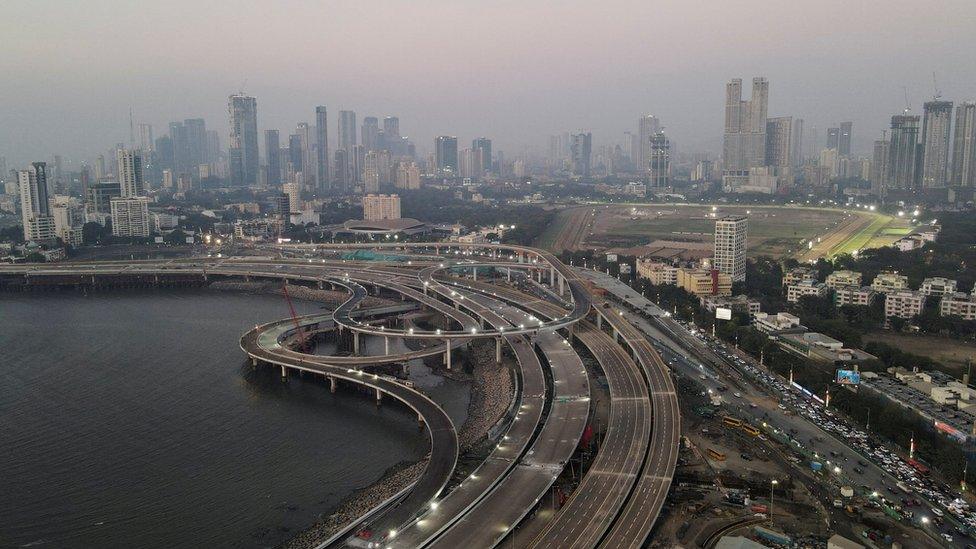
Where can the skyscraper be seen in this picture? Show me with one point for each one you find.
(779, 137)
(243, 144)
(730, 246)
(391, 127)
(833, 138)
(879, 167)
(196, 144)
(964, 147)
(658, 157)
(647, 126)
(903, 153)
(796, 154)
(272, 155)
(371, 133)
(744, 145)
(935, 143)
(844, 139)
(146, 137)
(130, 173)
(347, 130)
(35, 207)
(340, 174)
(581, 152)
(304, 133)
(483, 144)
(322, 148)
(446, 154)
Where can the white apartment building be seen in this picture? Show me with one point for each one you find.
(130, 217)
(294, 193)
(730, 246)
(657, 272)
(938, 286)
(769, 323)
(805, 287)
(377, 207)
(798, 274)
(888, 281)
(958, 304)
(853, 295)
(837, 279)
(903, 304)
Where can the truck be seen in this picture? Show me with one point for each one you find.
(816, 466)
(846, 492)
(903, 487)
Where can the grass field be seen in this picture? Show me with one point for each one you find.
(950, 352)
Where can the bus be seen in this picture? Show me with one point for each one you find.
(749, 429)
(731, 421)
(919, 466)
(715, 456)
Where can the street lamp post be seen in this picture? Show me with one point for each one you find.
(772, 487)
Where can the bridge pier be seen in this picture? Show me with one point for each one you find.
(562, 285)
(420, 419)
(379, 396)
(447, 353)
(498, 350)
(552, 277)
(616, 336)
(474, 273)
(320, 284)
(355, 343)
(508, 274)
(284, 373)
(386, 345)
(254, 362)
(332, 384)
(599, 321)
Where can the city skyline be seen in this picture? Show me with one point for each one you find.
(675, 79)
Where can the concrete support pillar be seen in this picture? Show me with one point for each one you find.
(599, 321)
(420, 419)
(284, 373)
(355, 343)
(498, 350)
(386, 345)
(539, 275)
(379, 395)
(332, 384)
(425, 289)
(508, 274)
(320, 284)
(474, 273)
(447, 353)
(254, 362)
(562, 285)
(616, 336)
(552, 277)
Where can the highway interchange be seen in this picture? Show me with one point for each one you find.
(619, 497)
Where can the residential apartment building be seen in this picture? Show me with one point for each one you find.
(938, 286)
(888, 281)
(130, 217)
(657, 272)
(377, 207)
(798, 274)
(805, 287)
(730, 246)
(903, 304)
(702, 282)
(958, 304)
(853, 295)
(837, 279)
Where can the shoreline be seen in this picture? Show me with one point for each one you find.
(491, 392)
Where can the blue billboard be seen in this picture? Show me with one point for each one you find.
(848, 377)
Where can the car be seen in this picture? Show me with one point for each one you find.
(947, 537)
(745, 456)
(937, 512)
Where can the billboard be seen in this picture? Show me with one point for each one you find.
(625, 268)
(950, 431)
(848, 377)
(611, 258)
(723, 313)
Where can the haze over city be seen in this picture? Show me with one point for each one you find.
(515, 71)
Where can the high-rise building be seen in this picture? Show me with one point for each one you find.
(100, 195)
(196, 144)
(844, 139)
(581, 153)
(35, 207)
(377, 207)
(243, 143)
(903, 154)
(796, 154)
(130, 216)
(294, 193)
(407, 176)
(935, 144)
(647, 127)
(212, 152)
(272, 155)
(391, 127)
(730, 246)
(446, 154)
(130, 173)
(744, 144)
(371, 133)
(146, 142)
(304, 133)
(470, 164)
(833, 138)
(371, 172)
(964, 147)
(879, 166)
(658, 156)
(340, 172)
(483, 144)
(322, 148)
(779, 137)
(347, 130)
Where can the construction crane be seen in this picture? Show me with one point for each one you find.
(298, 325)
(908, 105)
(935, 86)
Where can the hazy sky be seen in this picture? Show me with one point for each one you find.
(515, 71)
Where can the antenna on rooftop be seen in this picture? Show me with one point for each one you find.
(935, 86)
